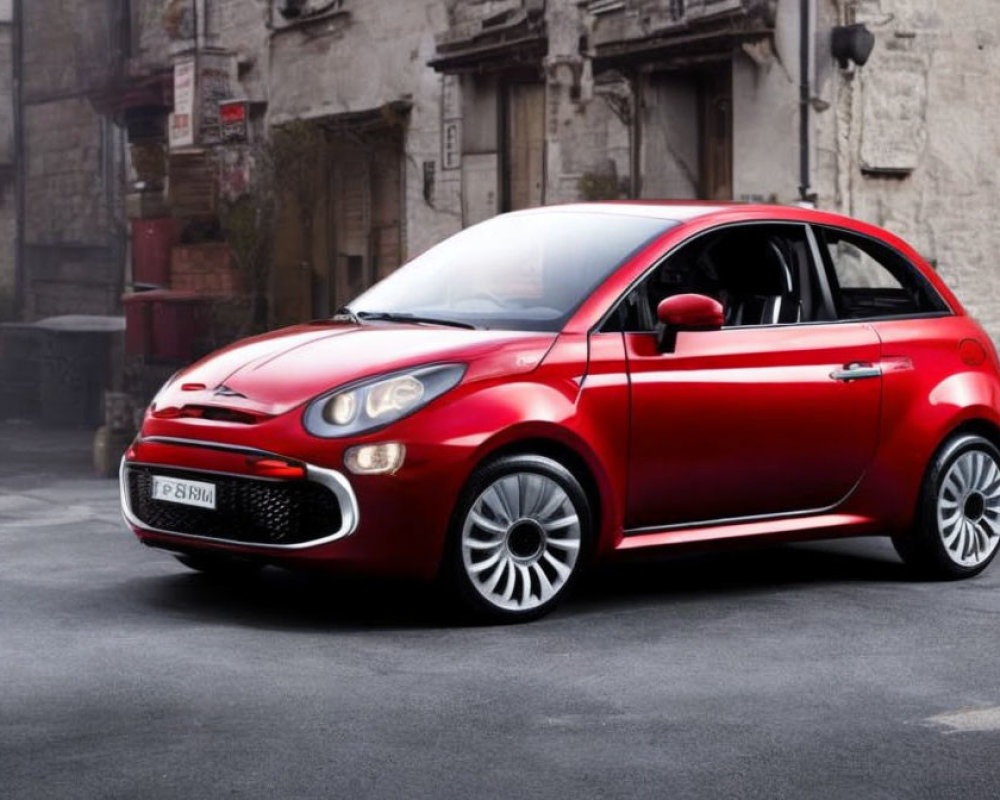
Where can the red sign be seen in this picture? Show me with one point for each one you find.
(233, 118)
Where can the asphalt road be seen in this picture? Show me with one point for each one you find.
(809, 671)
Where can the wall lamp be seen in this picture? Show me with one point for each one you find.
(852, 44)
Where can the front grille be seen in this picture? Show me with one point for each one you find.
(251, 510)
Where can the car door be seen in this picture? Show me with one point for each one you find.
(774, 414)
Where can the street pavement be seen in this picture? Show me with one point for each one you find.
(808, 671)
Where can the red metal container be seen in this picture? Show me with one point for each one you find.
(139, 323)
(152, 243)
(166, 324)
(180, 325)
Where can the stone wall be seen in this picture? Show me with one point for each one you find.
(910, 141)
(73, 256)
(66, 46)
(374, 53)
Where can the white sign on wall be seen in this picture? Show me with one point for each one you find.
(451, 122)
(182, 120)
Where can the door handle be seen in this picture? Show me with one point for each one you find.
(856, 371)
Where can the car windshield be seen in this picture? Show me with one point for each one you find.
(515, 272)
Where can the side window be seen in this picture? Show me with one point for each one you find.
(761, 273)
(869, 279)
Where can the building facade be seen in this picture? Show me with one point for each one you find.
(70, 237)
(418, 118)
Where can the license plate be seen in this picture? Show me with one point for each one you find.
(187, 493)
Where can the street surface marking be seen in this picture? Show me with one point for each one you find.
(970, 720)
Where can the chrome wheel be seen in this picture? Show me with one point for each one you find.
(968, 508)
(520, 541)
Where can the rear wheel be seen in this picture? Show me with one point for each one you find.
(520, 536)
(958, 522)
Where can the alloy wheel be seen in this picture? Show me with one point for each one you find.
(520, 541)
(968, 508)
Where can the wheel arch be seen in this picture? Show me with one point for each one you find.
(573, 454)
(978, 426)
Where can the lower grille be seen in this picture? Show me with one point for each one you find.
(251, 510)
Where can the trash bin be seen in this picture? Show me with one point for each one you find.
(75, 368)
(167, 325)
(20, 351)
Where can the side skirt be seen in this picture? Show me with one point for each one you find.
(818, 526)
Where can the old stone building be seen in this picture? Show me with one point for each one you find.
(909, 141)
(429, 115)
(70, 232)
(349, 83)
(742, 100)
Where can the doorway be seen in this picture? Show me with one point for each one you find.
(686, 134)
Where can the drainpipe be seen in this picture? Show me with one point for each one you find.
(806, 194)
(20, 288)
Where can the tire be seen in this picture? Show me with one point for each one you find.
(520, 535)
(957, 529)
(219, 566)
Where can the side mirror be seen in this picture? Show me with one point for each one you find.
(687, 312)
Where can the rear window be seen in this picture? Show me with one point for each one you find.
(871, 280)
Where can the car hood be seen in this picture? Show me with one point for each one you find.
(272, 374)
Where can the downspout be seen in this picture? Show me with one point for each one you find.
(20, 287)
(805, 96)
(115, 142)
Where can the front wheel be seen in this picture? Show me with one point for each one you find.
(520, 535)
(958, 521)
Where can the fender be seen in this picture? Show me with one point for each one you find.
(911, 434)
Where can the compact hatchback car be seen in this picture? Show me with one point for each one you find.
(567, 384)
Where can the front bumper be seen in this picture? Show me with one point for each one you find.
(392, 525)
(247, 496)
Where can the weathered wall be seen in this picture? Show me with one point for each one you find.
(372, 54)
(241, 26)
(73, 257)
(587, 127)
(766, 114)
(8, 205)
(928, 106)
(908, 141)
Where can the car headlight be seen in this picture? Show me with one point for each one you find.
(377, 402)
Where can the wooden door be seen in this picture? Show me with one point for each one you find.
(525, 171)
(717, 134)
(386, 245)
(366, 211)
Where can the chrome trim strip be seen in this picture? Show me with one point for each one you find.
(334, 481)
(205, 445)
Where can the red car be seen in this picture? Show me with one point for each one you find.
(574, 383)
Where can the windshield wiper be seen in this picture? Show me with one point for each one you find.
(386, 316)
(344, 314)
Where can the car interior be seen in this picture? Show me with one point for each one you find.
(760, 274)
(765, 275)
(869, 280)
